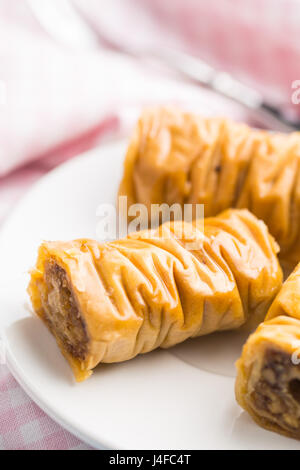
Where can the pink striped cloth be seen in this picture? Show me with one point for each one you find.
(23, 425)
(56, 102)
(255, 40)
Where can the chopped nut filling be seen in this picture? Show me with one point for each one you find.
(61, 312)
(276, 393)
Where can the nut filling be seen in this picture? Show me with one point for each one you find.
(276, 394)
(61, 312)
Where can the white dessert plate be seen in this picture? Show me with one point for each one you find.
(182, 398)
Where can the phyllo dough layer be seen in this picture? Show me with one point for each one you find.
(179, 157)
(268, 380)
(109, 302)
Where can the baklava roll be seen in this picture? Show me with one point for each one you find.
(109, 302)
(268, 379)
(179, 157)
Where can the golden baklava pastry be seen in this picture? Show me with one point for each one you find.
(109, 302)
(268, 379)
(179, 157)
